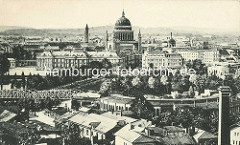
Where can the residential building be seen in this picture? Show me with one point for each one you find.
(128, 136)
(148, 134)
(6, 116)
(188, 54)
(174, 60)
(99, 56)
(219, 71)
(132, 60)
(98, 127)
(202, 136)
(120, 117)
(154, 59)
(235, 134)
(158, 59)
(207, 56)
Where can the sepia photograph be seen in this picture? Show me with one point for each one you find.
(119, 72)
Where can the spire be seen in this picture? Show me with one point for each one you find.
(106, 35)
(139, 33)
(123, 14)
(86, 34)
(171, 34)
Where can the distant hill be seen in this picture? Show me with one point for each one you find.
(5, 28)
(101, 30)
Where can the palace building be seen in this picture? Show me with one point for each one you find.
(68, 59)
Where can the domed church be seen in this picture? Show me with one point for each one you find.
(123, 36)
(123, 29)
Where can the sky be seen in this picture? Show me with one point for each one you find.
(218, 14)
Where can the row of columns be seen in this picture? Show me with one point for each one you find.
(114, 107)
(124, 36)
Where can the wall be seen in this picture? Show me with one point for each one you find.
(121, 141)
(235, 136)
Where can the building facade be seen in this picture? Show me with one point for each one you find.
(68, 59)
(157, 59)
(116, 102)
(207, 56)
(219, 71)
(235, 134)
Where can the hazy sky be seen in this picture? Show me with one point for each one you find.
(223, 15)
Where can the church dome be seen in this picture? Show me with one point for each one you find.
(123, 22)
(172, 41)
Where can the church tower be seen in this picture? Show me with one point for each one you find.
(106, 41)
(171, 42)
(139, 41)
(86, 34)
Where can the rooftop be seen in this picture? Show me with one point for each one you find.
(202, 134)
(6, 116)
(119, 117)
(116, 98)
(133, 136)
(104, 124)
(87, 95)
(180, 138)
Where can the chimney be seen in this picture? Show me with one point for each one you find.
(150, 122)
(147, 132)
(131, 126)
(192, 131)
(223, 122)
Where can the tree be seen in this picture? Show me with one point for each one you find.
(197, 65)
(95, 65)
(193, 79)
(105, 88)
(191, 92)
(213, 82)
(48, 103)
(106, 63)
(151, 82)
(4, 67)
(16, 52)
(75, 104)
(136, 82)
(142, 108)
(165, 118)
(201, 84)
(125, 86)
(166, 85)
